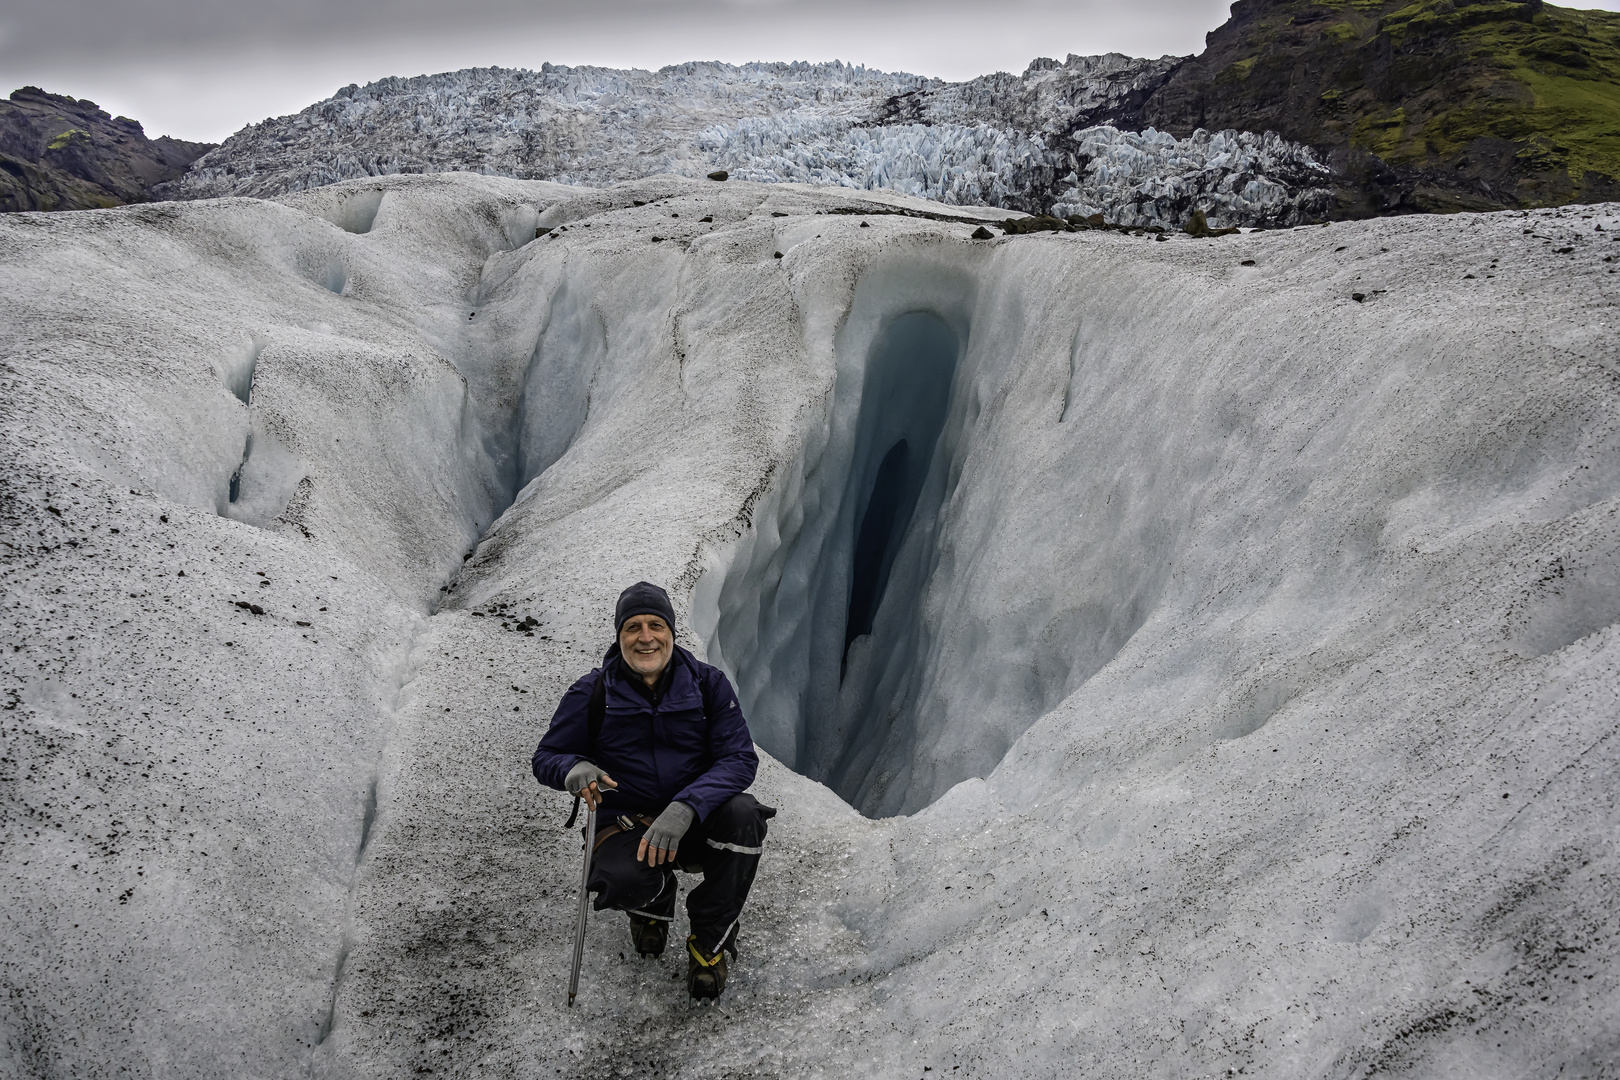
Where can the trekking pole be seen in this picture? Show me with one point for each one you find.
(584, 900)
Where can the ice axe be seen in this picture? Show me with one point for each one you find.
(584, 902)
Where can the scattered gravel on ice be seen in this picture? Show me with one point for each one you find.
(1242, 655)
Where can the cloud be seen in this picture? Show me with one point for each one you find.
(201, 70)
(79, 29)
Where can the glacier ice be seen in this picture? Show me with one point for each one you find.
(1048, 137)
(834, 647)
(1244, 666)
(556, 387)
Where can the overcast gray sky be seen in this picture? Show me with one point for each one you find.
(201, 69)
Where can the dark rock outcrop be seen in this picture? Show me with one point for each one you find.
(63, 153)
(1049, 97)
(1437, 105)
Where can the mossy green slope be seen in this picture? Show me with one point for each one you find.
(1433, 105)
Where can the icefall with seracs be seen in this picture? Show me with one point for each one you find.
(1048, 140)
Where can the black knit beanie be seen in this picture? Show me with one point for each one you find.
(643, 598)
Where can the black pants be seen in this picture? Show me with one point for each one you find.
(725, 847)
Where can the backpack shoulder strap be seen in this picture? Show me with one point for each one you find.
(595, 713)
(703, 689)
(708, 701)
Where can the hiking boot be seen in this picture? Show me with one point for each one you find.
(705, 975)
(649, 935)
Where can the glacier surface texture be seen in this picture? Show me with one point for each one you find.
(1181, 657)
(1058, 136)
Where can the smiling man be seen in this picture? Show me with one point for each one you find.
(656, 740)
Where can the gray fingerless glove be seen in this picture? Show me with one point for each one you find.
(581, 776)
(668, 828)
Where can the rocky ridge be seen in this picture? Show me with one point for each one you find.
(1438, 105)
(63, 153)
(1297, 110)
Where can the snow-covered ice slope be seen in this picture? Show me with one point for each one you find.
(1023, 142)
(1234, 619)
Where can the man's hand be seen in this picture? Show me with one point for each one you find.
(586, 781)
(664, 835)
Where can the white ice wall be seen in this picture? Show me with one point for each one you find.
(1272, 632)
(780, 623)
(189, 781)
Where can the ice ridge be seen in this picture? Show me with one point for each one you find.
(1058, 137)
(1221, 636)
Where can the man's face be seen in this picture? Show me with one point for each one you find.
(647, 643)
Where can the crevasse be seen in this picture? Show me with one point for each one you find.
(819, 613)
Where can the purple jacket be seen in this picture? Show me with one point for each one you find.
(657, 754)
